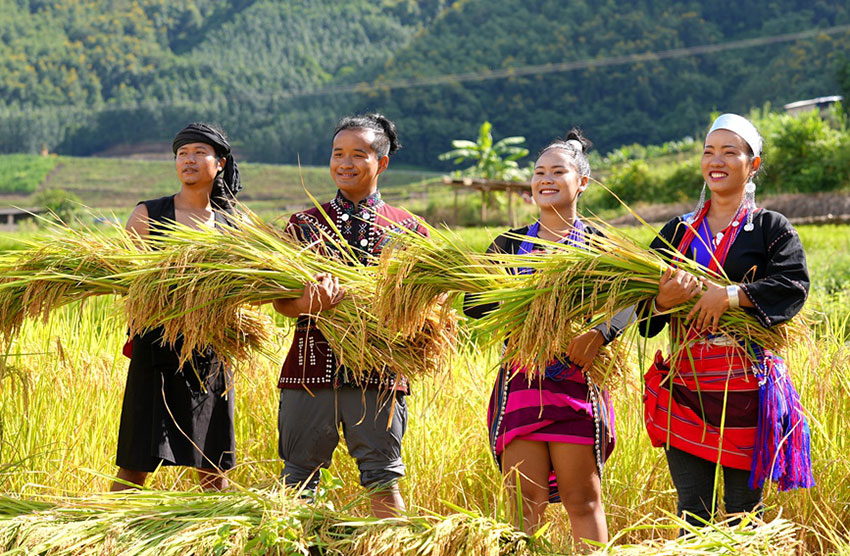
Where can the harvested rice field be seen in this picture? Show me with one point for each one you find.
(61, 386)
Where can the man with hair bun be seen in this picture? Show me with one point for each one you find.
(317, 394)
(169, 416)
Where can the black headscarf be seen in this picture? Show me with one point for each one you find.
(224, 189)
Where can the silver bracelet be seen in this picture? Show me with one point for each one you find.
(732, 294)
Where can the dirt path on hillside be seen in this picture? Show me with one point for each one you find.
(814, 208)
(45, 184)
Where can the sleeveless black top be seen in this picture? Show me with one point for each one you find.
(172, 416)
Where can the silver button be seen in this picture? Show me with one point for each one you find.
(364, 242)
(735, 223)
(344, 217)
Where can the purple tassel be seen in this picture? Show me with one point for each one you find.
(783, 445)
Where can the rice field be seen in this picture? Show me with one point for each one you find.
(62, 381)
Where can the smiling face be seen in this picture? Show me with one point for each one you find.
(197, 164)
(726, 163)
(556, 183)
(355, 166)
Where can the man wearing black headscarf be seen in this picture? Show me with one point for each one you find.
(169, 416)
(227, 183)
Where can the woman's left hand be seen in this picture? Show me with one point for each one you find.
(709, 307)
(583, 348)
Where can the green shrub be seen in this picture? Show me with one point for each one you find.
(798, 153)
(805, 153)
(58, 201)
(632, 182)
(683, 183)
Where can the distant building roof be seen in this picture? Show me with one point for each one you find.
(813, 103)
(16, 211)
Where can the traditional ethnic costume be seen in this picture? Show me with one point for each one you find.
(562, 406)
(724, 400)
(174, 416)
(317, 393)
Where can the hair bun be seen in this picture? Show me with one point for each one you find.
(578, 140)
(574, 145)
(389, 129)
(386, 140)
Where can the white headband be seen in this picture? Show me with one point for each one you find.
(742, 126)
(576, 144)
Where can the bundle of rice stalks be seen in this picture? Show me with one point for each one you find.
(203, 278)
(419, 272)
(62, 266)
(243, 522)
(158, 523)
(430, 536)
(750, 536)
(364, 344)
(588, 285)
(196, 291)
(69, 264)
(416, 273)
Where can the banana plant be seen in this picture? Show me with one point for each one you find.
(494, 161)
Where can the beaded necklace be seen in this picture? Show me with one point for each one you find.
(355, 223)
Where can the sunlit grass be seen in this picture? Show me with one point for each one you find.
(62, 383)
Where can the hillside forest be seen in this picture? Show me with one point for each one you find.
(79, 77)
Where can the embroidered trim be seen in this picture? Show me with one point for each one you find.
(775, 241)
(805, 291)
(756, 305)
(362, 222)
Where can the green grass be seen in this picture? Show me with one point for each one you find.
(22, 173)
(115, 183)
(62, 383)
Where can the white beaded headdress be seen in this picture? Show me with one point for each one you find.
(742, 126)
(748, 132)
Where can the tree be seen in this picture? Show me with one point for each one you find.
(495, 161)
(843, 78)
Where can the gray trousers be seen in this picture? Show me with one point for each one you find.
(308, 426)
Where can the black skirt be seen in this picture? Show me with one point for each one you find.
(174, 417)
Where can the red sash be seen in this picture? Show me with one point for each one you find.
(708, 405)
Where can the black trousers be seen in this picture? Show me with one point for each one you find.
(693, 478)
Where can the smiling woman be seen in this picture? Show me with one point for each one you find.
(553, 433)
(729, 402)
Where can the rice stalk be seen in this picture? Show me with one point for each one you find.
(204, 278)
(538, 314)
(67, 264)
(431, 536)
(247, 521)
(273, 521)
(744, 535)
(588, 285)
(62, 266)
(416, 273)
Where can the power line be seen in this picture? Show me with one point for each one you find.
(453, 78)
(517, 71)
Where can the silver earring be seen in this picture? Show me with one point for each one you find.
(750, 203)
(700, 204)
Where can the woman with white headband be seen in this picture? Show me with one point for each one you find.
(724, 401)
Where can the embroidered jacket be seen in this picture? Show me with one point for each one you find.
(367, 227)
(768, 264)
